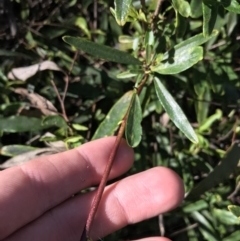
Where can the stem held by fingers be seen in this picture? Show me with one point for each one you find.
(104, 179)
(86, 232)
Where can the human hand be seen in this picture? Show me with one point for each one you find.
(37, 203)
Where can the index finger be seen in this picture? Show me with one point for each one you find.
(29, 190)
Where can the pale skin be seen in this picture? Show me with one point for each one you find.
(37, 203)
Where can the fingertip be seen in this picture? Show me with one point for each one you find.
(174, 187)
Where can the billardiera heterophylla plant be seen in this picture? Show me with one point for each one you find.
(146, 67)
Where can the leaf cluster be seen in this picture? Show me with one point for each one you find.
(72, 70)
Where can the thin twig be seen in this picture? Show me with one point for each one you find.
(184, 230)
(159, 3)
(67, 77)
(98, 196)
(161, 225)
(60, 101)
(231, 196)
(103, 182)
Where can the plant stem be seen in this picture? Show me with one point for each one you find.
(98, 196)
(104, 179)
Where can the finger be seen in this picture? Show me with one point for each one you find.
(153, 239)
(30, 190)
(128, 201)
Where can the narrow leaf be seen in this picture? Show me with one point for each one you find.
(194, 41)
(209, 17)
(20, 124)
(101, 51)
(219, 174)
(174, 111)
(14, 150)
(122, 8)
(114, 117)
(133, 130)
(178, 62)
(182, 7)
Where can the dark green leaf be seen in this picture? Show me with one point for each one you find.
(101, 51)
(114, 117)
(174, 111)
(122, 8)
(14, 150)
(133, 130)
(14, 54)
(20, 124)
(181, 25)
(210, 12)
(219, 174)
(196, 8)
(178, 62)
(231, 5)
(182, 7)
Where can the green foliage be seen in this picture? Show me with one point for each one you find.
(114, 117)
(101, 51)
(122, 8)
(221, 172)
(174, 111)
(161, 60)
(133, 128)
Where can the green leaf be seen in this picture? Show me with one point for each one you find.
(174, 111)
(20, 124)
(225, 217)
(101, 51)
(210, 120)
(235, 210)
(196, 8)
(180, 49)
(127, 74)
(231, 5)
(73, 139)
(182, 7)
(14, 150)
(181, 25)
(180, 61)
(233, 236)
(194, 41)
(121, 10)
(133, 130)
(54, 120)
(7, 53)
(219, 174)
(210, 12)
(114, 117)
(82, 24)
(79, 127)
(195, 206)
